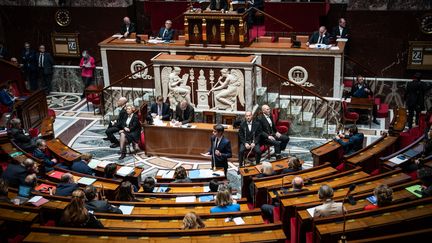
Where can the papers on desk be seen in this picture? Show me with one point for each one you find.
(238, 221)
(205, 173)
(186, 199)
(160, 189)
(86, 181)
(34, 199)
(372, 199)
(205, 154)
(94, 163)
(38, 201)
(334, 48)
(193, 174)
(56, 174)
(206, 198)
(104, 163)
(342, 39)
(158, 122)
(416, 190)
(399, 159)
(155, 41)
(206, 188)
(311, 211)
(129, 40)
(117, 36)
(126, 209)
(319, 46)
(124, 171)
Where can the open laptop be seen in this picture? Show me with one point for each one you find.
(23, 194)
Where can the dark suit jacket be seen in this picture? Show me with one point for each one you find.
(48, 164)
(354, 144)
(82, 167)
(101, 206)
(259, 4)
(29, 60)
(414, 94)
(48, 62)
(21, 140)
(132, 28)
(6, 99)
(134, 126)
(223, 5)
(266, 129)
(358, 92)
(66, 189)
(166, 112)
(188, 114)
(224, 148)
(15, 175)
(315, 36)
(168, 35)
(246, 136)
(335, 32)
(121, 119)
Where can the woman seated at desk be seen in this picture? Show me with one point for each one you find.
(180, 175)
(130, 131)
(224, 203)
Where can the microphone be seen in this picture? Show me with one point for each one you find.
(343, 236)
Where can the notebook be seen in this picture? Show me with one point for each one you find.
(372, 199)
(44, 188)
(86, 181)
(206, 198)
(93, 163)
(186, 199)
(416, 190)
(124, 171)
(126, 209)
(56, 174)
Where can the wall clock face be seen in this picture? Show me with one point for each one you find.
(62, 17)
(426, 23)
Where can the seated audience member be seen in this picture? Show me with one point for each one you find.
(6, 98)
(294, 164)
(149, 184)
(362, 90)
(39, 153)
(354, 143)
(214, 185)
(130, 131)
(166, 33)
(76, 215)
(267, 170)
(340, 31)
(4, 188)
(267, 209)
(425, 176)
(161, 109)
(269, 134)
(329, 207)
(319, 37)
(218, 5)
(16, 132)
(180, 175)
(127, 27)
(110, 171)
(383, 195)
(184, 113)
(224, 203)
(249, 135)
(15, 174)
(115, 126)
(125, 192)
(30, 180)
(95, 204)
(82, 165)
(192, 221)
(66, 186)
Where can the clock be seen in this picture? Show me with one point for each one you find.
(62, 17)
(426, 23)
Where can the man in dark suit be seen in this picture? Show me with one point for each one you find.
(39, 153)
(127, 27)
(184, 113)
(81, 166)
(22, 140)
(114, 126)
(355, 141)
(66, 186)
(166, 33)
(29, 61)
(15, 174)
(269, 134)
(161, 109)
(220, 148)
(96, 205)
(362, 90)
(218, 5)
(319, 37)
(249, 134)
(45, 65)
(340, 31)
(414, 98)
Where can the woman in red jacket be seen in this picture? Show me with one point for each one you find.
(87, 65)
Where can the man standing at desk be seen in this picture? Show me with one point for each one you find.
(127, 28)
(362, 90)
(161, 109)
(220, 148)
(218, 5)
(184, 113)
(166, 33)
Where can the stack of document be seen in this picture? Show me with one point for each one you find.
(186, 199)
(311, 211)
(38, 200)
(86, 181)
(399, 159)
(104, 163)
(94, 163)
(126, 209)
(125, 171)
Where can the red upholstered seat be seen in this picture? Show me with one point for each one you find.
(348, 115)
(33, 132)
(142, 142)
(383, 110)
(282, 126)
(347, 83)
(51, 113)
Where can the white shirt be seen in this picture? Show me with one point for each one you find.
(269, 120)
(128, 120)
(340, 31)
(249, 126)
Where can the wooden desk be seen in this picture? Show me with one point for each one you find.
(399, 120)
(62, 150)
(185, 142)
(417, 145)
(47, 128)
(32, 110)
(331, 152)
(18, 213)
(362, 104)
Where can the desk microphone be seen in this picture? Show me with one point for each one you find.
(343, 236)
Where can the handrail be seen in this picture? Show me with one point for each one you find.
(361, 65)
(273, 18)
(127, 76)
(291, 82)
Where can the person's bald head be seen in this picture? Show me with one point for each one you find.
(122, 101)
(297, 182)
(248, 116)
(183, 105)
(266, 110)
(126, 20)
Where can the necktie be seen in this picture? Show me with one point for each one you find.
(320, 40)
(164, 33)
(159, 110)
(41, 60)
(182, 115)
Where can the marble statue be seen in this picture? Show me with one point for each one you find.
(229, 86)
(175, 88)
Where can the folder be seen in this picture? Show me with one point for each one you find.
(86, 181)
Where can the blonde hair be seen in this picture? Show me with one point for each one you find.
(267, 168)
(223, 198)
(75, 214)
(192, 221)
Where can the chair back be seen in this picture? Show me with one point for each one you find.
(209, 117)
(228, 119)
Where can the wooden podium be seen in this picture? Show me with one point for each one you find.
(216, 28)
